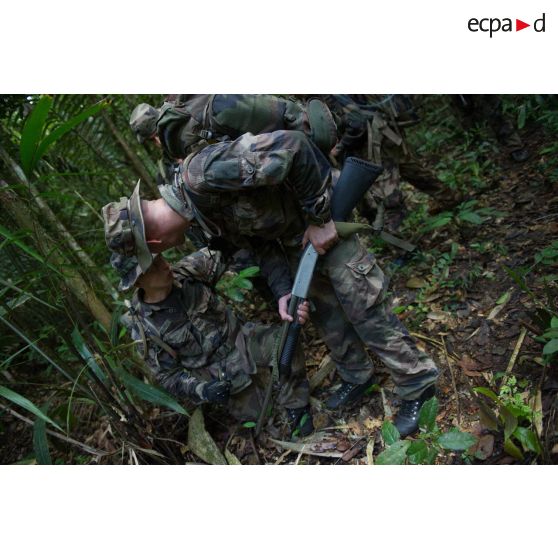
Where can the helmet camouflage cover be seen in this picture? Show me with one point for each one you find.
(143, 121)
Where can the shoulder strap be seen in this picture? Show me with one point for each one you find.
(155, 338)
(190, 199)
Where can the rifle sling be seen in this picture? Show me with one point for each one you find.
(347, 229)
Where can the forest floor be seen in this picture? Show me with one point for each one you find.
(464, 309)
(468, 314)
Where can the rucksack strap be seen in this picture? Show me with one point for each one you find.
(155, 338)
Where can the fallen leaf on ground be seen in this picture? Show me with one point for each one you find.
(352, 452)
(372, 423)
(416, 283)
(201, 443)
(321, 420)
(308, 448)
(438, 316)
(433, 297)
(343, 445)
(495, 311)
(326, 367)
(536, 404)
(484, 447)
(470, 367)
(231, 458)
(388, 413)
(355, 427)
(487, 416)
(370, 452)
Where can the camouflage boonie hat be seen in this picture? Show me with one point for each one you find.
(127, 268)
(125, 229)
(143, 121)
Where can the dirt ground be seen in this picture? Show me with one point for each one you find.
(471, 330)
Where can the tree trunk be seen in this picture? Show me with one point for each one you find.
(135, 161)
(49, 215)
(73, 280)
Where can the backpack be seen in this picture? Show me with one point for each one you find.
(191, 119)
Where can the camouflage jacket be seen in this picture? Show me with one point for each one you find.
(258, 192)
(206, 337)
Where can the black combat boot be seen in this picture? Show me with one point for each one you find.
(407, 419)
(348, 393)
(301, 422)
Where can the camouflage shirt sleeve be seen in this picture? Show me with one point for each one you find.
(274, 268)
(164, 367)
(204, 265)
(174, 378)
(267, 160)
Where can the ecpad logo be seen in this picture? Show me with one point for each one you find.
(494, 24)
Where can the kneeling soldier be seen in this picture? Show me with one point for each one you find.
(198, 348)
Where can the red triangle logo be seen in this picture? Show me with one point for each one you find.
(519, 25)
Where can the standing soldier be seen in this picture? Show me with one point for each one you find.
(187, 123)
(271, 193)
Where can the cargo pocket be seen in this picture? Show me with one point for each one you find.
(360, 286)
(265, 168)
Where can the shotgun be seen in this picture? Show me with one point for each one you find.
(356, 178)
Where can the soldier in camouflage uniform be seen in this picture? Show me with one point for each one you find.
(474, 109)
(195, 345)
(186, 121)
(373, 126)
(271, 193)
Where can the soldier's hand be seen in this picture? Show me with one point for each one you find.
(322, 238)
(217, 391)
(303, 310)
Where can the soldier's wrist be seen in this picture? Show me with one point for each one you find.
(318, 220)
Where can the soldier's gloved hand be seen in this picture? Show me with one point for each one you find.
(216, 391)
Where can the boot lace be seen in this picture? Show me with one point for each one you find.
(294, 415)
(345, 390)
(410, 408)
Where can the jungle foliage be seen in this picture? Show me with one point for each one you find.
(71, 384)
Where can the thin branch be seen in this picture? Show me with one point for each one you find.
(453, 382)
(515, 353)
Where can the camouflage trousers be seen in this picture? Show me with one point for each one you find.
(293, 392)
(353, 314)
